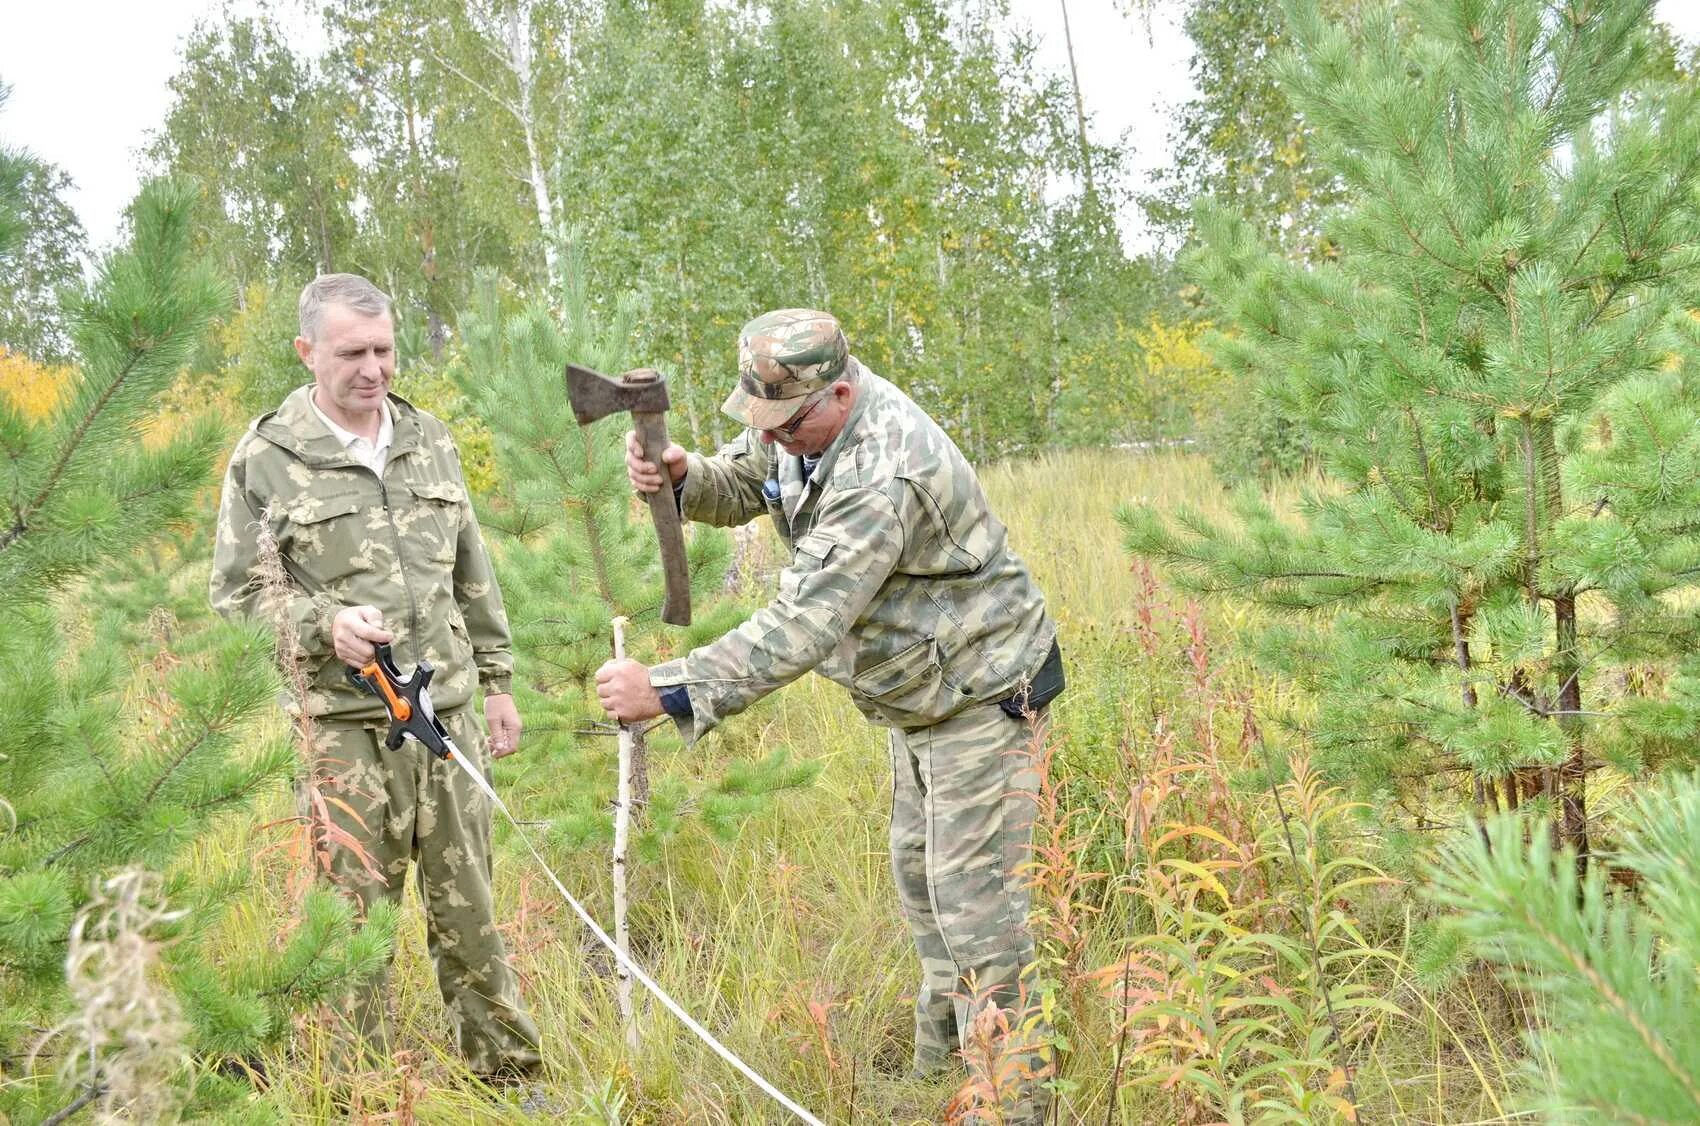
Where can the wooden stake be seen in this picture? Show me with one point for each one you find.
(622, 834)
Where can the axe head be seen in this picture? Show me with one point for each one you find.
(594, 395)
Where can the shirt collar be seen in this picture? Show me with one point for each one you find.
(386, 428)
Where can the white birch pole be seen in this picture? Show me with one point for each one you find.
(622, 834)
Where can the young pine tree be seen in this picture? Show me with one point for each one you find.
(1497, 372)
(1619, 979)
(125, 730)
(575, 550)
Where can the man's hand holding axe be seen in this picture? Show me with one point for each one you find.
(623, 685)
(644, 474)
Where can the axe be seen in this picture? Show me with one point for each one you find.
(643, 392)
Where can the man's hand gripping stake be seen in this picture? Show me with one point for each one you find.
(408, 702)
(643, 392)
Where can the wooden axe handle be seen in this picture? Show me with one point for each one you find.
(652, 435)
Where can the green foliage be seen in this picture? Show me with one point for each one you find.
(1249, 439)
(448, 109)
(14, 172)
(1479, 369)
(257, 127)
(35, 914)
(258, 344)
(129, 713)
(236, 1009)
(1161, 389)
(717, 161)
(575, 549)
(131, 751)
(1615, 975)
(1439, 951)
(896, 192)
(749, 786)
(81, 492)
(48, 260)
(1241, 139)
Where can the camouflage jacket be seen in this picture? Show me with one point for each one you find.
(902, 586)
(407, 544)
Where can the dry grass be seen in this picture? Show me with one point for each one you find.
(125, 1037)
(787, 941)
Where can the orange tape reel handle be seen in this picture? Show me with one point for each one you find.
(399, 709)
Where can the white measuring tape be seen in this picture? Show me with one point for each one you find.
(622, 957)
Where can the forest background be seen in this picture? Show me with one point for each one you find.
(1257, 923)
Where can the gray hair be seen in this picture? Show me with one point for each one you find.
(351, 291)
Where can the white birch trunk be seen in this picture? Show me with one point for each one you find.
(622, 835)
(518, 43)
(506, 36)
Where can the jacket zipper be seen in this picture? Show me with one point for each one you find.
(406, 585)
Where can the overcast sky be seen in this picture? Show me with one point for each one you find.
(89, 77)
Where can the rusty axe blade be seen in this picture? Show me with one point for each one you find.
(643, 393)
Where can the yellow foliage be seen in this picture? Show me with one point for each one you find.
(35, 390)
(1173, 382)
(1172, 354)
(191, 396)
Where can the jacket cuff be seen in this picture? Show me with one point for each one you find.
(670, 680)
(688, 493)
(498, 684)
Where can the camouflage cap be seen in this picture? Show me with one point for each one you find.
(783, 356)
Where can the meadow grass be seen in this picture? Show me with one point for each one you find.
(1174, 920)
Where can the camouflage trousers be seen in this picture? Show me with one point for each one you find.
(412, 806)
(961, 824)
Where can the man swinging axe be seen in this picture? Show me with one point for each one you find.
(902, 587)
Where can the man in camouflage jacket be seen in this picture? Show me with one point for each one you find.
(902, 588)
(364, 496)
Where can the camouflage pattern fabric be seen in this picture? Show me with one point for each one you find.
(407, 543)
(408, 804)
(902, 586)
(961, 827)
(783, 356)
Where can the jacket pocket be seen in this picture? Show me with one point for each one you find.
(807, 559)
(444, 491)
(461, 638)
(438, 506)
(911, 683)
(326, 537)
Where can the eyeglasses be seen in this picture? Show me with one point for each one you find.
(788, 429)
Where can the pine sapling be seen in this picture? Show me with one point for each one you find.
(1496, 371)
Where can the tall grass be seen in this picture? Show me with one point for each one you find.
(1204, 959)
